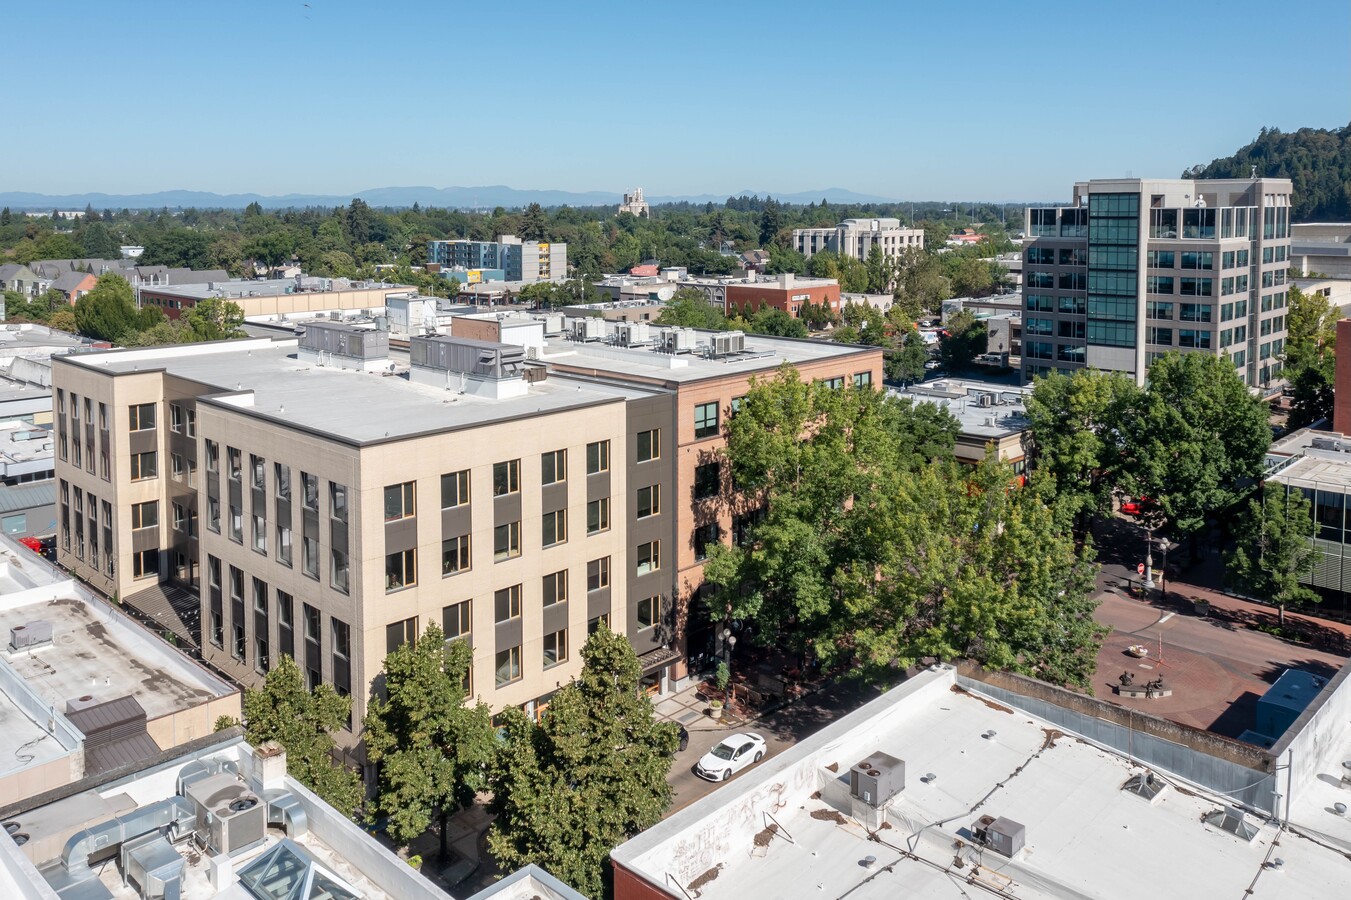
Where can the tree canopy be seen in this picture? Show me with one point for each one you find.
(1195, 440)
(1273, 553)
(1316, 160)
(590, 775)
(874, 549)
(303, 722)
(433, 751)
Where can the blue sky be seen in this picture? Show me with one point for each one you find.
(974, 100)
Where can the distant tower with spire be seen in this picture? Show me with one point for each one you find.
(634, 203)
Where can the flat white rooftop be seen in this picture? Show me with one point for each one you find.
(789, 828)
(352, 863)
(95, 650)
(763, 354)
(352, 406)
(1004, 414)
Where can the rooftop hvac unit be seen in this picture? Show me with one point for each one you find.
(1004, 836)
(985, 400)
(588, 329)
(726, 343)
(633, 334)
(678, 340)
(877, 779)
(553, 324)
(34, 634)
(229, 816)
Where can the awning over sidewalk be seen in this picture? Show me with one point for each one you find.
(655, 659)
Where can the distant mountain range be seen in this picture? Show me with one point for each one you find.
(485, 197)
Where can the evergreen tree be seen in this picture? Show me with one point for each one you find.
(589, 776)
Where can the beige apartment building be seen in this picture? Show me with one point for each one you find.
(856, 238)
(320, 506)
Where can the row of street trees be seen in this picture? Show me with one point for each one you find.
(564, 790)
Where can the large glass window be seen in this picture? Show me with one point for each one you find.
(506, 477)
(598, 516)
(142, 417)
(508, 665)
(648, 557)
(456, 620)
(400, 570)
(555, 648)
(144, 466)
(649, 445)
(649, 612)
(145, 515)
(556, 588)
(507, 604)
(649, 501)
(707, 480)
(337, 497)
(554, 527)
(705, 420)
(598, 574)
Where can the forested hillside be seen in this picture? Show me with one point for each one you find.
(1317, 160)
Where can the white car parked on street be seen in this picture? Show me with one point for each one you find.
(734, 753)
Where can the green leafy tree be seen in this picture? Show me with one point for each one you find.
(177, 246)
(1317, 160)
(689, 308)
(63, 320)
(862, 323)
(1076, 440)
(774, 321)
(433, 750)
(771, 220)
(1193, 441)
(877, 550)
(303, 722)
(1310, 366)
(216, 319)
(964, 339)
(108, 311)
(589, 776)
(1274, 551)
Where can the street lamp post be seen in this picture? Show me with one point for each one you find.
(1149, 558)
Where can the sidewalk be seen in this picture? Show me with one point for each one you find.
(1204, 581)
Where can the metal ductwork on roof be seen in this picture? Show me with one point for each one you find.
(176, 814)
(285, 811)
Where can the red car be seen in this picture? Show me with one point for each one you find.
(1137, 507)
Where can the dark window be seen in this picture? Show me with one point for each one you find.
(707, 480)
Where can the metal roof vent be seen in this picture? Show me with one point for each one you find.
(1232, 820)
(1146, 785)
